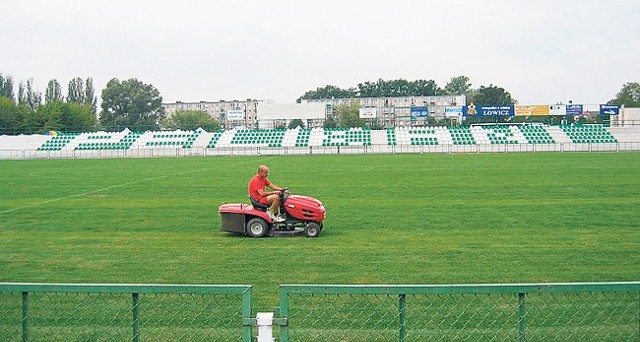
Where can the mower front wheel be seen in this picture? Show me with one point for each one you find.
(312, 229)
(257, 227)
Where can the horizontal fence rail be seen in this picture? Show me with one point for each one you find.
(518, 312)
(88, 312)
(533, 312)
(164, 152)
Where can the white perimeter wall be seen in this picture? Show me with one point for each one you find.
(631, 114)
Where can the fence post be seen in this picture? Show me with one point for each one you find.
(246, 312)
(284, 313)
(402, 304)
(25, 316)
(265, 326)
(521, 314)
(136, 316)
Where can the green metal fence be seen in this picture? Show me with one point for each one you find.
(64, 312)
(529, 312)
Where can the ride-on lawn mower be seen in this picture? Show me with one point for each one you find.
(304, 215)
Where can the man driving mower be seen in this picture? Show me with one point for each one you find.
(259, 193)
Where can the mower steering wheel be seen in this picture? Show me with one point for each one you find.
(282, 191)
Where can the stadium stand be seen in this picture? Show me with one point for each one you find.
(462, 136)
(536, 134)
(431, 137)
(57, 142)
(585, 134)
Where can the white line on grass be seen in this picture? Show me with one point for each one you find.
(96, 191)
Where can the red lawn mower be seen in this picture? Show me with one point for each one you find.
(304, 215)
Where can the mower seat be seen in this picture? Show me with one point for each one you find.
(258, 205)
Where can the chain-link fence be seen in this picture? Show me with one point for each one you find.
(47, 312)
(543, 312)
(536, 312)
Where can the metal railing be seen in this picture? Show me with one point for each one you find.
(285, 151)
(534, 312)
(66, 312)
(518, 312)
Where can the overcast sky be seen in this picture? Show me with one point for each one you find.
(541, 51)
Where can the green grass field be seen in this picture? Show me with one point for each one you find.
(392, 219)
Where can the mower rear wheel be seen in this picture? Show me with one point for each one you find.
(257, 227)
(312, 229)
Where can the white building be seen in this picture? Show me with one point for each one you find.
(385, 111)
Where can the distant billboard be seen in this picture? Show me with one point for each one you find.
(607, 109)
(558, 109)
(367, 113)
(574, 109)
(489, 110)
(453, 111)
(531, 110)
(419, 112)
(235, 115)
(522, 110)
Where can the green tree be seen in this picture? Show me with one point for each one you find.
(75, 92)
(327, 92)
(6, 87)
(330, 123)
(349, 115)
(132, 104)
(458, 85)
(424, 88)
(628, 96)
(53, 92)
(9, 116)
(78, 117)
(295, 123)
(190, 120)
(29, 97)
(492, 95)
(48, 117)
(82, 92)
(396, 88)
(89, 95)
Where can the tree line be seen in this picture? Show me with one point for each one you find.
(138, 106)
(459, 85)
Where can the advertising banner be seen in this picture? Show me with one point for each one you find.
(453, 111)
(558, 109)
(574, 109)
(235, 115)
(522, 110)
(607, 109)
(367, 113)
(540, 110)
(419, 112)
(530, 110)
(499, 110)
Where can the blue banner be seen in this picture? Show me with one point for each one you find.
(489, 110)
(574, 109)
(419, 112)
(609, 109)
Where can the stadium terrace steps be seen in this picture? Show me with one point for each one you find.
(203, 140)
(379, 137)
(626, 134)
(332, 137)
(558, 134)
